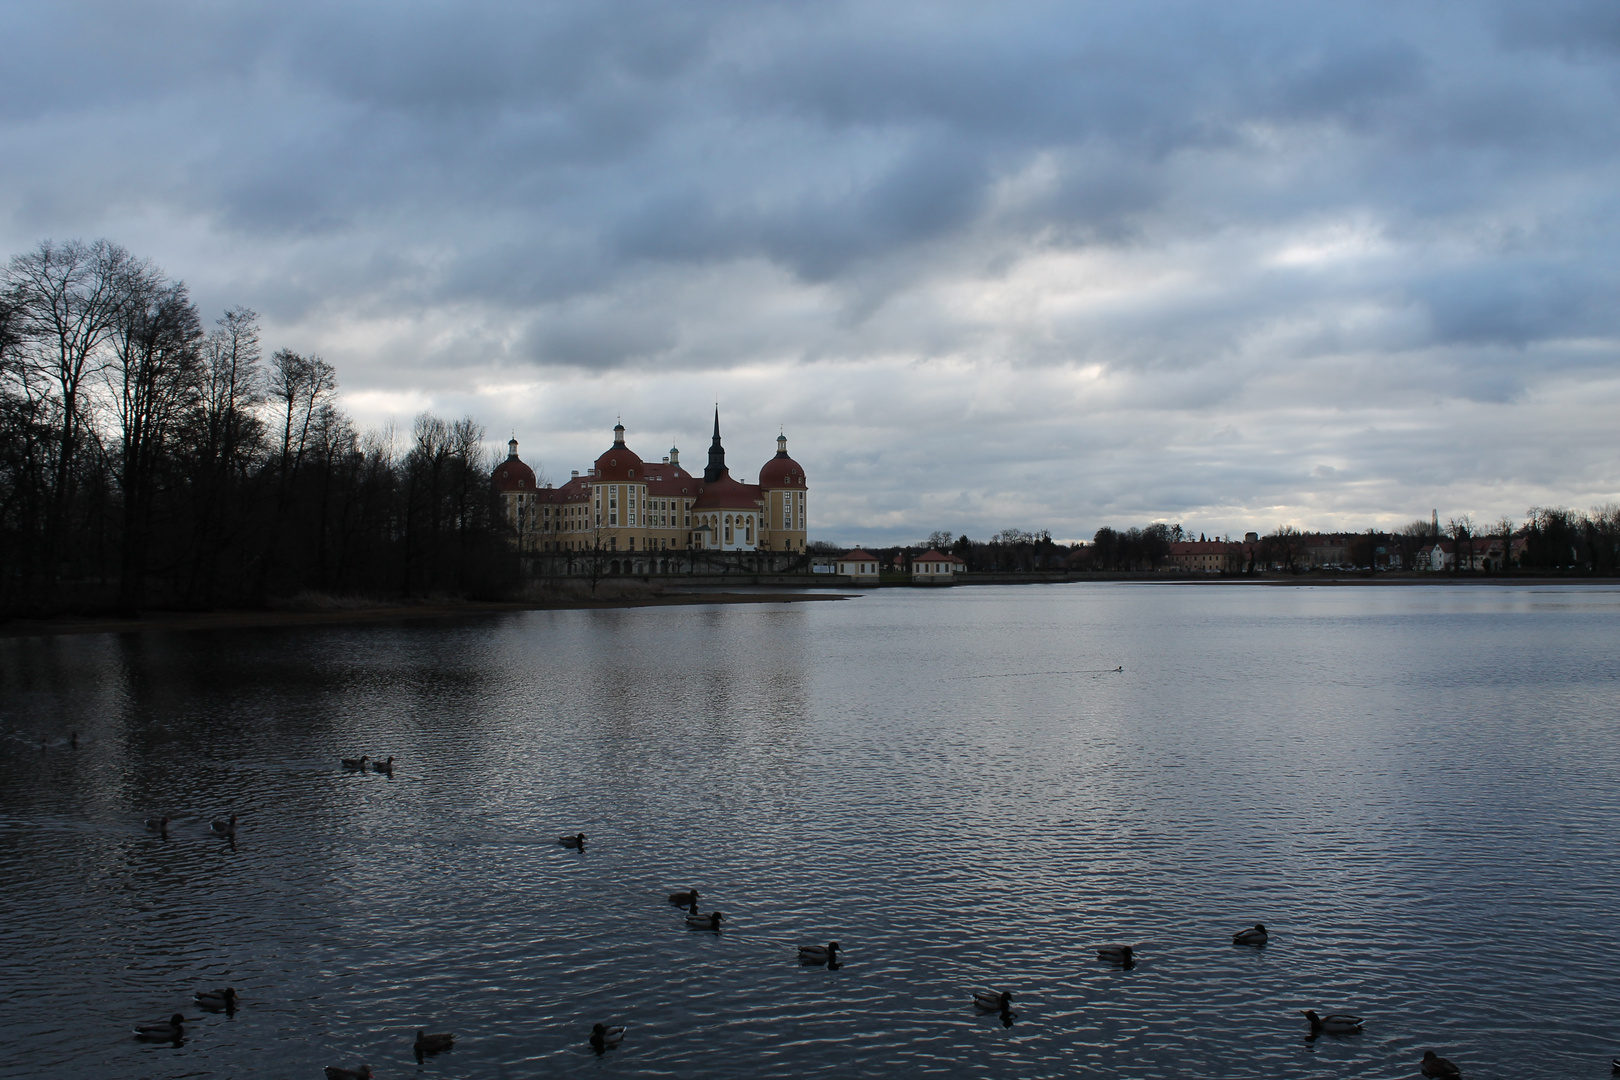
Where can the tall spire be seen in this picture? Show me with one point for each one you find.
(717, 454)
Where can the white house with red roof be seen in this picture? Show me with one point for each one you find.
(860, 566)
(932, 568)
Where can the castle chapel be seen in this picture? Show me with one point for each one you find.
(624, 504)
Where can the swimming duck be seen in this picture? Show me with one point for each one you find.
(710, 921)
(603, 1036)
(433, 1044)
(385, 767)
(989, 999)
(173, 1031)
(1117, 954)
(819, 954)
(356, 764)
(157, 824)
(685, 899)
(1257, 936)
(217, 1000)
(223, 827)
(1439, 1068)
(335, 1073)
(577, 841)
(1332, 1023)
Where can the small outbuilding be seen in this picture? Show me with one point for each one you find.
(859, 566)
(933, 568)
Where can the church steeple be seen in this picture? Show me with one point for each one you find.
(717, 454)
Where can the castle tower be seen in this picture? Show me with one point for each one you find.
(717, 454)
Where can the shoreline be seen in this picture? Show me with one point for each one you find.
(273, 618)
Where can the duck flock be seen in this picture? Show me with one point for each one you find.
(604, 1036)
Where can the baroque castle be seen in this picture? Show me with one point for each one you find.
(625, 505)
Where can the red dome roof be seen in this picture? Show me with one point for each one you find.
(619, 463)
(513, 475)
(781, 472)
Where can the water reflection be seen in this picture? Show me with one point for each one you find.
(959, 786)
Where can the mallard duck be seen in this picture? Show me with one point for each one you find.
(217, 1000)
(335, 1073)
(173, 1031)
(433, 1044)
(1438, 1068)
(577, 841)
(989, 999)
(157, 824)
(603, 1036)
(819, 954)
(386, 767)
(1117, 954)
(1332, 1023)
(710, 921)
(356, 764)
(1257, 936)
(685, 899)
(223, 827)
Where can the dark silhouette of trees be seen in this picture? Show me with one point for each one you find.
(145, 462)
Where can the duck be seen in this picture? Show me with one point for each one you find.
(1332, 1023)
(433, 1044)
(335, 1073)
(1117, 954)
(385, 767)
(1438, 1068)
(356, 764)
(173, 1031)
(604, 1036)
(223, 827)
(158, 824)
(710, 921)
(1257, 936)
(217, 1000)
(684, 899)
(989, 999)
(819, 954)
(577, 841)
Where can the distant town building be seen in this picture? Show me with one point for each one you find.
(932, 568)
(1206, 557)
(859, 565)
(623, 504)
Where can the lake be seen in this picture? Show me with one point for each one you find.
(1416, 789)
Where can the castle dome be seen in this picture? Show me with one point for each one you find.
(512, 474)
(619, 462)
(781, 471)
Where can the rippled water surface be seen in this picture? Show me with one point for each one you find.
(1416, 789)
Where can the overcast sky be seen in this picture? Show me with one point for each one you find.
(988, 265)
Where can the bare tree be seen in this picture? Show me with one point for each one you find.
(299, 387)
(69, 297)
(1461, 532)
(154, 382)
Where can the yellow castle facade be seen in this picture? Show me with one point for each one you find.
(623, 504)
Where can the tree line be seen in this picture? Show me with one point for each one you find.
(149, 460)
(1547, 540)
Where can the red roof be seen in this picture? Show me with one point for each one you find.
(619, 462)
(859, 555)
(727, 494)
(513, 475)
(781, 472)
(934, 556)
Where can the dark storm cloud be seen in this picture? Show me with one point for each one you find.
(1106, 224)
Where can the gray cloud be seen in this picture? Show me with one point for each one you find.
(1029, 264)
